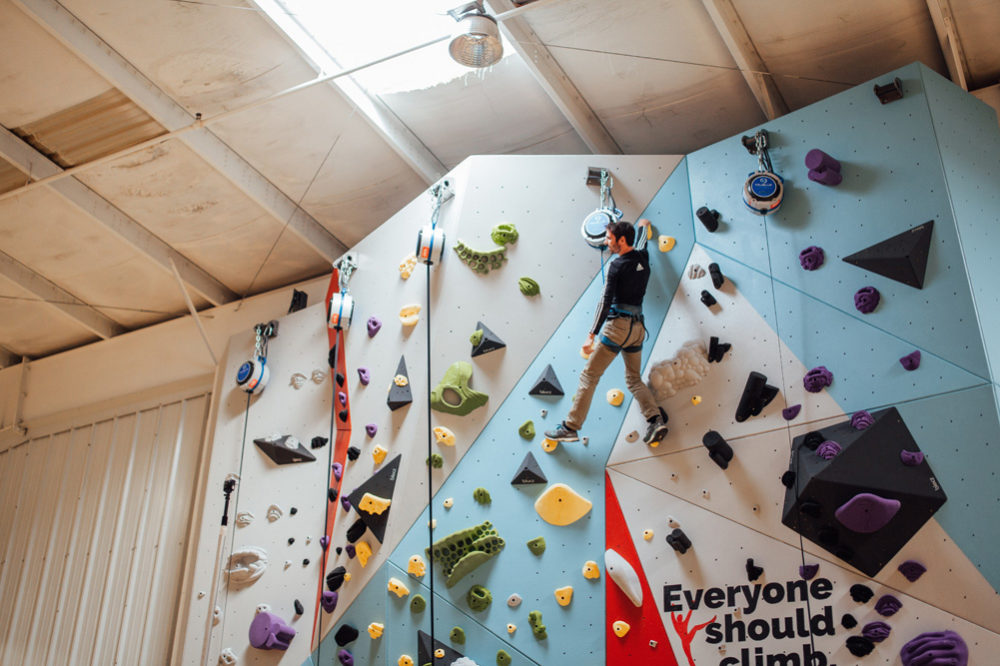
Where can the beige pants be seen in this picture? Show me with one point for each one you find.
(617, 331)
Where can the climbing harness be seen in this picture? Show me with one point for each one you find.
(763, 190)
(595, 225)
(254, 374)
(634, 315)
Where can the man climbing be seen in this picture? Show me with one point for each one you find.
(620, 314)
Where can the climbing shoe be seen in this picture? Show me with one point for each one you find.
(562, 434)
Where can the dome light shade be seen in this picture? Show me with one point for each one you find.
(476, 41)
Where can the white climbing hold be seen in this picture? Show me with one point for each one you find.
(624, 576)
(201, 594)
(653, 644)
(544, 413)
(704, 493)
(686, 369)
(632, 436)
(288, 563)
(216, 616)
(406, 266)
(449, 502)
(227, 657)
(514, 600)
(308, 540)
(696, 272)
(262, 608)
(318, 377)
(672, 521)
(274, 512)
(246, 565)
(409, 315)
(244, 518)
(297, 381)
(585, 440)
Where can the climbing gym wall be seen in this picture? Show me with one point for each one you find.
(826, 493)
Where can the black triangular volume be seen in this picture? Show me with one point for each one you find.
(425, 655)
(381, 484)
(280, 453)
(902, 258)
(399, 396)
(490, 341)
(529, 473)
(547, 383)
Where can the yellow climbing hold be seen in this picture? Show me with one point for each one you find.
(400, 380)
(667, 243)
(449, 502)
(564, 595)
(416, 566)
(409, 314)
(511, 627)
(561, 505)
(696, 400)
(404, 660)
(647, 535)
(549, 445)
(379, 453)
(591, 570)
(439, 653)
(373, 504)
(621, 627)
(616, 397)
(347, 577)
(444, 436)
(363, 551)
(375, 629)
(397, 587)
(407, 265)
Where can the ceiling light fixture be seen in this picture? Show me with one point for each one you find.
(476, 40)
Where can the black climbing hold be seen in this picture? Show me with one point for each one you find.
(279, 452)
(339, 379)
(757, 394)
(318, 442)
(753, 571)
(339, 550)
(381, 484)
(331, 494)
(679, 541)
(718, 279)
(547, 383)
(342, 415)
(529, 473)
(861, 593)
(707, 298)
(889, 92)
(305, 562)
(718, 448)
(860, 646)
(293, 511)
(848, 621)
(356, 531)
(299, 301)
(717, 350)
(708, 217)
(813, 439)
(299, 610)
(788, 479)
(345, 634)
(489, 342)
(353, 452)
(291, 540)
(902, 258)
(335, 579)
(400, 396)
(331, 358)
(810, 508)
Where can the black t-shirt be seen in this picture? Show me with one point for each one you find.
(626, 283)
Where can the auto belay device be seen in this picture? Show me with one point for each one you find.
(254, 374)
(340, 309)
(595, 225)
(764, 189)
(430, 240)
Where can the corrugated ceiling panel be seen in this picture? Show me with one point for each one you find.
(93, 527)
(29, 327)
(91, 129)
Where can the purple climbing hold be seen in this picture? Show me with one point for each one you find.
(887, 605)
(817, 379)
(811, 258)
(346, 658)
(808, 571)
(817, 160)
(329, 601)
(866, 513)
(269, 632)
(866, 299)
(371, 429)
(861, 420)
(344, 502)
(876, 631)
(324, 541)
(364, 375)
(338, 470)
(911, 458)
(342, 397)
(828, 450)
(350, 550)
(911, 570)
(374, 323)
(935, 647)
(911, 361)
(828, 177)
(790, 413)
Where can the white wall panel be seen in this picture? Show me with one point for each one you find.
(93, 527)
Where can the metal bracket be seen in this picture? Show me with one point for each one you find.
(594, 175)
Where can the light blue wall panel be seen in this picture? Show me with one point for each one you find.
(368, 607)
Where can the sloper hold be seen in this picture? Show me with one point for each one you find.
(529, 473)
(547, 383)
(561, 505)
(902, 258)
(400, 396)
(623, 574)
(425, 653)
(284, 450)
(381, 484)
(489, 341)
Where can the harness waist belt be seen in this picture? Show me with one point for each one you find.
(618, 348)
(631, 311)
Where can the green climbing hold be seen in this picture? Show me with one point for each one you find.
(418, 604)
(460, 553)
(504, 234)
(478, 260)
(479, 598)
(457, 635)
(476, 337)
(527, 429)
(537, 628)
(503, 659)
(453, 395)
(537, 545)
(528, 286)
(435, 461)
(481, 495)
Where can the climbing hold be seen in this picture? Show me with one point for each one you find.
(453, 395)
(811, 258)
(624, 576)
(911, 361)
(363, 551)
(244, 518)
(407, 265)
(342, 415)
(481, 495)
(615, 397)
(318, 442)
(719, 449)
(435, 461)
(376, 629)
(351, 550)
(379, 453)
(416, 566)
(867, 513)
(537, 628)
(342, 398)
(439, 653)
(591, 571)
(481, 261)
(418, 603)
(398, 588)
(457, 635)
(789, 413)
(299, 609)
(503, 659)
(887, 605)
(346, 634)
(549, 445)
(708, 217)
(444, 436)
(297, 381)
(679, 541)
(861, 593)
(328, 600)
(449, 502)
(666, 243)
(620, 627)
(364, 376)
(227, 657)
(696, 272)
(561, 505)
(866, 299)
(511, 627)
(284, 449)
(564, 595)
(935, 647)
(912, 570)
(479, 598)
(707, 298)
(647, 534)
(373, 504)
(336, 578)
(536, 545)
(484, 340)
(356, 530)
(757, 394)
(828, 450)
(400, 394)
(848, 621)
(753, 571)
(527, 429)
(514, 600)
(717, 350)
(860, 646)
(409, 315)
(817, 379)
(876, 631)
(861, 420)
(547, 383)
(461, 552)
(246, 565)
(404, 660)
(902, 258)
(528, 286)
(911, 458)
(269, 632)
(718, 279)
(504, 233)
(808, 571)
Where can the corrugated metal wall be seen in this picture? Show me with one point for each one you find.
(93, 528)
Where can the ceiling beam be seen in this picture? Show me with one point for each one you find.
(951, 45)
(8, 358)
(88, 46)
(727, 21)
(554, 81)
(55, 296)
(36, 165)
